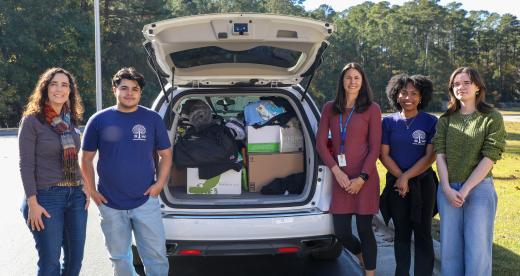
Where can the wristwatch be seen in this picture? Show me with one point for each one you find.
(363, 176)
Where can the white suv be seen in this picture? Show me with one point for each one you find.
(229, 60)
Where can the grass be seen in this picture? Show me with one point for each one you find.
(506, 172)
(510, 111)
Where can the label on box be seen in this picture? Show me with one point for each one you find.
(263, 147)
(291, 140)
(229, 182)
(265, 139)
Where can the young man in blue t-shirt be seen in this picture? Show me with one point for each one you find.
(127, 136)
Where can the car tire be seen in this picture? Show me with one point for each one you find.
(137, 260)
(328, 253)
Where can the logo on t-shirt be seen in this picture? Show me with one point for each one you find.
(139, 132)
(419, 137)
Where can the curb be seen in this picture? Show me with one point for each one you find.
(14, 131)
(379, 221)
(8, 131)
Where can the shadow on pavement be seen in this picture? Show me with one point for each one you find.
(279, 265)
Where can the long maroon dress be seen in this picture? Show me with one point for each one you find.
(362, 144)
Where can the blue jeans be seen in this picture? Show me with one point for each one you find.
(467, 232)
(65, 228)
(146, 223)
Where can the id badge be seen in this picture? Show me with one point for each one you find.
(342, 161)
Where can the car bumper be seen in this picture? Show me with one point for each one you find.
(247, 227)
(302, 245)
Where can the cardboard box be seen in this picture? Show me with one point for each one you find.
(264, 168)
(228, 183)
(178, 177)
(291, 139)
(265, 139)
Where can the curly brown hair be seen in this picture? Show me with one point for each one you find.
(398, 82)
(40, 96)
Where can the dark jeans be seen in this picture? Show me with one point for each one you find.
(400, 209)
(65, 228)
(367, 246)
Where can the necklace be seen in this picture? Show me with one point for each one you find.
(408, 125)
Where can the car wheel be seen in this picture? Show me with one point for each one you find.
(137, 260)
(328, 253)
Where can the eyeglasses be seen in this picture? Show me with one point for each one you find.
(459, 84)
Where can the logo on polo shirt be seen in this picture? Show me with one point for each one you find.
(419, 137)
(139, 132)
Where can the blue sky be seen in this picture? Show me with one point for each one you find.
(498, 6)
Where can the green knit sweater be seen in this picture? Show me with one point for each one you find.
(466, 139)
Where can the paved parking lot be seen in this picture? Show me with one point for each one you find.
(18, 255)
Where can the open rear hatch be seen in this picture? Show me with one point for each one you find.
(225, 49)
(237, 51)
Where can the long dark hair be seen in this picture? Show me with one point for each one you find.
(365, 96)
(40, 96)
(480, 101)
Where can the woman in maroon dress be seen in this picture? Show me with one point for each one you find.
(354, 122)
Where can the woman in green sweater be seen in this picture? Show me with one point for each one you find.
(470, 138)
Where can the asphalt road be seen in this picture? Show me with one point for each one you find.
(18, 255)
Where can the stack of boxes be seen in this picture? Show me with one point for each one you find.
(273, 152)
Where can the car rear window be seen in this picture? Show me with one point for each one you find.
(265, 55)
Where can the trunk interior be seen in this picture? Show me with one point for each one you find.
(274, 162)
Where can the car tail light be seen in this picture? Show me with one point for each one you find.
(190, 252)
(288, 249)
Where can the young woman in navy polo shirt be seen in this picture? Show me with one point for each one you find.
(407, 153)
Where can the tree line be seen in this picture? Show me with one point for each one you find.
(418, 37)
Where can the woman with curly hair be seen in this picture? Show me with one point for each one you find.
(354, 121)
(470, 138)
(407, 154)
(55, 205)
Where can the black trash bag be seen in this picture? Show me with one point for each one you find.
(213, 144)
(293, 183)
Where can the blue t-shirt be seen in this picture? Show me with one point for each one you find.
(126, 143)
(408, 138)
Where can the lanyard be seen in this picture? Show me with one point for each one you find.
(343, 130)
